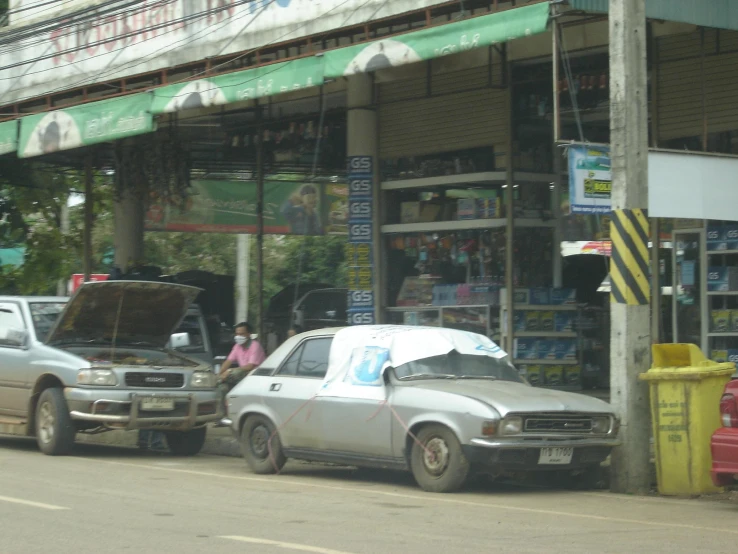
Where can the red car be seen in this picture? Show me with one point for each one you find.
(724, 444)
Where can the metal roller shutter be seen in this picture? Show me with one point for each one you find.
(462, 112)
(682, 81)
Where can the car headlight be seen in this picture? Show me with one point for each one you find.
(203, 379)
(97, 377)
(601, 425)
(512, 425)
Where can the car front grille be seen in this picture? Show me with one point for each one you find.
(154, 380)
(558, 424)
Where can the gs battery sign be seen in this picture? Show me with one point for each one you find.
(361, 235)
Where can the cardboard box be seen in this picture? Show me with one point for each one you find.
(720, 356)
(721, 321)
(564, 322)
(488, 208)
(733, 356)
(715, 238)
(466, 208)
(410, 212)
(722, 279)
(532, 321)
(547, 349)
(554, 375)
(560, 297)
(547, 321)
(519, 320)
(734, 320)
(533, 375)
(526, 349)
(520, 296)
(540, 296)
(566, 349)
(573, 375)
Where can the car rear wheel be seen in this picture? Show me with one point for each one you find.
(186, 443)
(54, 428)
(437, 461)
(260, 445)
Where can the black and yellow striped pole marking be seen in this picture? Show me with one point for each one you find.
(629, 269)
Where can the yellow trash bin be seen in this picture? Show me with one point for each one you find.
(685, 410)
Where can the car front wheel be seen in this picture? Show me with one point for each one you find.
(54, 428)
(186, 443)
(260, 445)
(437, 461)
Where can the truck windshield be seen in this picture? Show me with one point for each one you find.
(44, 315)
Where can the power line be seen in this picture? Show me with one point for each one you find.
(231, 60)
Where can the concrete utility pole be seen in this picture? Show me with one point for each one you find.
(61, 286)
(243, 253)
(89, 219)
(629, 274)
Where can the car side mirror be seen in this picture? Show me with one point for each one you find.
(17, 337)
(179, 340)
(299, 317)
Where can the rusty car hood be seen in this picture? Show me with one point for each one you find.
(127, 312)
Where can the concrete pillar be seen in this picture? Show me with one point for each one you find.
(363, 140)
(128, 239)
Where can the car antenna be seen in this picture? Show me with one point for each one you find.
(115, 329)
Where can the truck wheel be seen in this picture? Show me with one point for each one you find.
(54, 428)
(257, 440)
(437, 461)
(186, 443)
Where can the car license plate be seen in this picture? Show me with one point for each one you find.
(156, 404)
(555, 455)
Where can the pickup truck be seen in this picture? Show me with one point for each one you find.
(104, 359)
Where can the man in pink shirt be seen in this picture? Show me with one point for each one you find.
(246, 355)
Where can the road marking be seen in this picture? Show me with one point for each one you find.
(438, 498)
(286, 545)
(31, 503)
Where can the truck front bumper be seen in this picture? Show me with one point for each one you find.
(126, 410)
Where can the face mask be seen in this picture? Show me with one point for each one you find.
(240, 340)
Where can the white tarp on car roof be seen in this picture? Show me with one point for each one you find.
(360, 355)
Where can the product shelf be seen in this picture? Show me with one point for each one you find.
(543, 334)
(545, 362)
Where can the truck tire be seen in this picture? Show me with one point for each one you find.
(55, 430)
(260, 446)
(186, 443)
(437, 461)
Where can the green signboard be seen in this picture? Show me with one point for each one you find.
(290, 208)
(8, 137)
(239, 86)
(85, 124)
(438, 41)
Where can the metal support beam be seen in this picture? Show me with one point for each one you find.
(510, 229)
(89, 215)
(629, 308)
(260, 225)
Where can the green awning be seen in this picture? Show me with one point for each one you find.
(86, 124)
(438, 41)
(720, 14)
(241, 85)
(8, 137)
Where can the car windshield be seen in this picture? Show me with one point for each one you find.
(44, 316)
(459, 366)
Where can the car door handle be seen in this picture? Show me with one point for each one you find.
(275, 387)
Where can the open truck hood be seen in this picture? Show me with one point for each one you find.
(131, 312)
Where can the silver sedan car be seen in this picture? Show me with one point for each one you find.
(438, 412)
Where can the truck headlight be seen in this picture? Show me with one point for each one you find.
(601, 425)
(203, 379)
(97, 377)
(512, 425)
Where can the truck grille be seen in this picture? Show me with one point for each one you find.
(154, 380)
(560, 424)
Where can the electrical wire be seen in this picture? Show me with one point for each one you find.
(107, 69)
(145, 59)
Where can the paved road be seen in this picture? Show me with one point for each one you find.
(107, 499)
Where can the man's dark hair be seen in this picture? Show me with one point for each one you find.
(308, 189)
(245, 324)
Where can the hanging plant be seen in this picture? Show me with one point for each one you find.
(154, 168)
